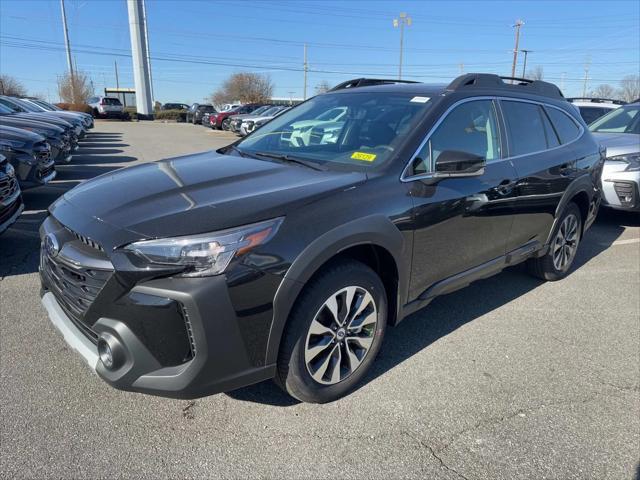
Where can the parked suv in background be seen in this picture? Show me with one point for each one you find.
(619, 133)
(30, 156)
(250, 123)
(56, 137)
(277, 259)
(593, 108)
(11, 205)
(196, 112)
(222, 120)
(236, 120)
(106, 107)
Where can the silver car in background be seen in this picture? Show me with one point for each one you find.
(619, 132)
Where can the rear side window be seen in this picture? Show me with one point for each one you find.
(526, 128)
(591, 114)
(567, 129)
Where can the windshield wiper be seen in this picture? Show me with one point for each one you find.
(242, 153)
(289, 159)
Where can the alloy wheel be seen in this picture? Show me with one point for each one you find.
(341, 335)
(565, 244)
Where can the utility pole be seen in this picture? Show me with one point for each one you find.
(586, 77)
(400, 23)
(524, 67)
(115, 62)
(291, 97)
(146, 39)
(305, 67)
(139, 57)
(68, 48)
(562, 80)
(461, 65)
(518, 24)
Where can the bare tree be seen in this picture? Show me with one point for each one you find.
(536, 73)
(604, 91)
(630, 88)
(322, 87)
(76, 89)
(11, 86)
(244, 87)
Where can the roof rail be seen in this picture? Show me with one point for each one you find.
(597, 100)
(365, 82)
(490, 80)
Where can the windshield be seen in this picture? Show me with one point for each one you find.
(260, 110)
(44, 105)
(355, 129)
(625, 119)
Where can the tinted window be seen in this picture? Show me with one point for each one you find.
(567, 129)
(525, 127)
(470, 127)
(552, 137)
(591, 114)
(110, 101)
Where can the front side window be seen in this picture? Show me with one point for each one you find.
(470, 129)
(567, 129)
(621, 120)
(525, 128)
(341, 130)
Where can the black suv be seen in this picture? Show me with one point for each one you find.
(287, 254)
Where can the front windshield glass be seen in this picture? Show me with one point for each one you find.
(621, 120)
(354, 129)
(260, 110)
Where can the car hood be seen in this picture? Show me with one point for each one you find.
(47, 118)
(11, 133)
(200, 193)
(618, 143)
(46, 129)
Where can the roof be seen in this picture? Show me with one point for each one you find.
(485, 82)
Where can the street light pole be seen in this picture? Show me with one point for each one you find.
(518, 24)
(400, 23)
(68, 48)
(524, 66)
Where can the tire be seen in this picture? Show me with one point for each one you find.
(226, 124)
(302, 351)
(556, 263)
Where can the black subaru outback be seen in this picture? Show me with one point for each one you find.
(286, 255)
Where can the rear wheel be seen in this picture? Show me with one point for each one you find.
(333, 334)
(563, 247)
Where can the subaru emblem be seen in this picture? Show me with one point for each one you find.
(51, 245)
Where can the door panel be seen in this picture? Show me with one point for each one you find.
(460, 223)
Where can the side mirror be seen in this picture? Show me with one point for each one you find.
(458, 163)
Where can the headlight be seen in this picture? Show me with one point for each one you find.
(208, 253)
(631, 159)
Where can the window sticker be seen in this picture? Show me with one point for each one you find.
(420, 99)
(366, 157)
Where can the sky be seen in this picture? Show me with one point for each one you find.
(195, 45)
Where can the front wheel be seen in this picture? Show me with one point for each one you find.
(556, 263)
(334, 333)
(226, 124)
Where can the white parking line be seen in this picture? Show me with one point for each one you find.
(627, 241)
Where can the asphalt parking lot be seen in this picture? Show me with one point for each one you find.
(509, 378)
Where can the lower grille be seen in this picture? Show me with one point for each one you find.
(625, 193)
(8, 186)
(9, 211)
(46, 171)
(75, 287)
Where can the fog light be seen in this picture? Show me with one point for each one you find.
(105, 353)
(110, 351)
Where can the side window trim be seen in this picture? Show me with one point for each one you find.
(544, 107)
(406, 177)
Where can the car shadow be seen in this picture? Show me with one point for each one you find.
(450, 312)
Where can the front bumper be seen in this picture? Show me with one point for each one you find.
(10, 210)
(179, 337)
(32, 172)
(620, 189)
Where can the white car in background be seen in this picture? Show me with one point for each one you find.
(619, 132)
(250, 124)
(592, 109)
(109, 107)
